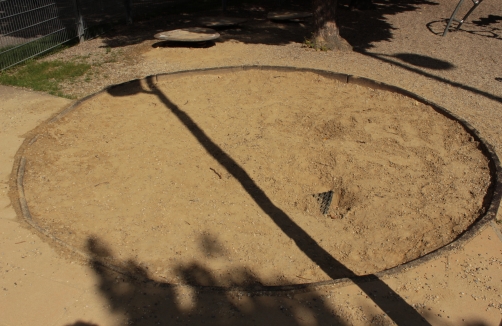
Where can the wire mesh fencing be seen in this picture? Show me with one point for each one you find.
(32, 27)
(29, 28)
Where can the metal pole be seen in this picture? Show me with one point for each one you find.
(452, 18)
(476, 4)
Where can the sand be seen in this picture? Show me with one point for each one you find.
(205, 187)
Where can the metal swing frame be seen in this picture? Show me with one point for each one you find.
(461, 21)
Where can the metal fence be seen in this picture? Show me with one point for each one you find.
(31, 27)
(27, 28)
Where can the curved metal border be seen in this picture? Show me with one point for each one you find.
(493, 196)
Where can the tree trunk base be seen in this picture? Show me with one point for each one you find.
(328, 38)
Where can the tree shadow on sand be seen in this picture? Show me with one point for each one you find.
(135, 299)
(197, 300)
(487, 21)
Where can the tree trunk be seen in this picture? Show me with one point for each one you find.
(326, 34)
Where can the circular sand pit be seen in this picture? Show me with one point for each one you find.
(209, 177)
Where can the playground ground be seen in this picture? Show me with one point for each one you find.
(460, 72)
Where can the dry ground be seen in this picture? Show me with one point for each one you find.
(399, 45)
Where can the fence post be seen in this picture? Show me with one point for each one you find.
(79, 22)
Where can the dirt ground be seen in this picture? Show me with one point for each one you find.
(460, 72)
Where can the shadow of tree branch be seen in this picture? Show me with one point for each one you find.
(397, 309)
(360, 28)
(149, 302)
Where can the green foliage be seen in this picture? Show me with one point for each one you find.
(44, 76)
(310, 44)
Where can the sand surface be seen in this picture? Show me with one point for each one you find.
(179, 181)
(399, 44)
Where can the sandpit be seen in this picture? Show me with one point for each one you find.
(208, 178)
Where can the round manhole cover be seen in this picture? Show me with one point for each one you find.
(191, 34)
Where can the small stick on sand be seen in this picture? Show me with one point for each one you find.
(219, 175)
